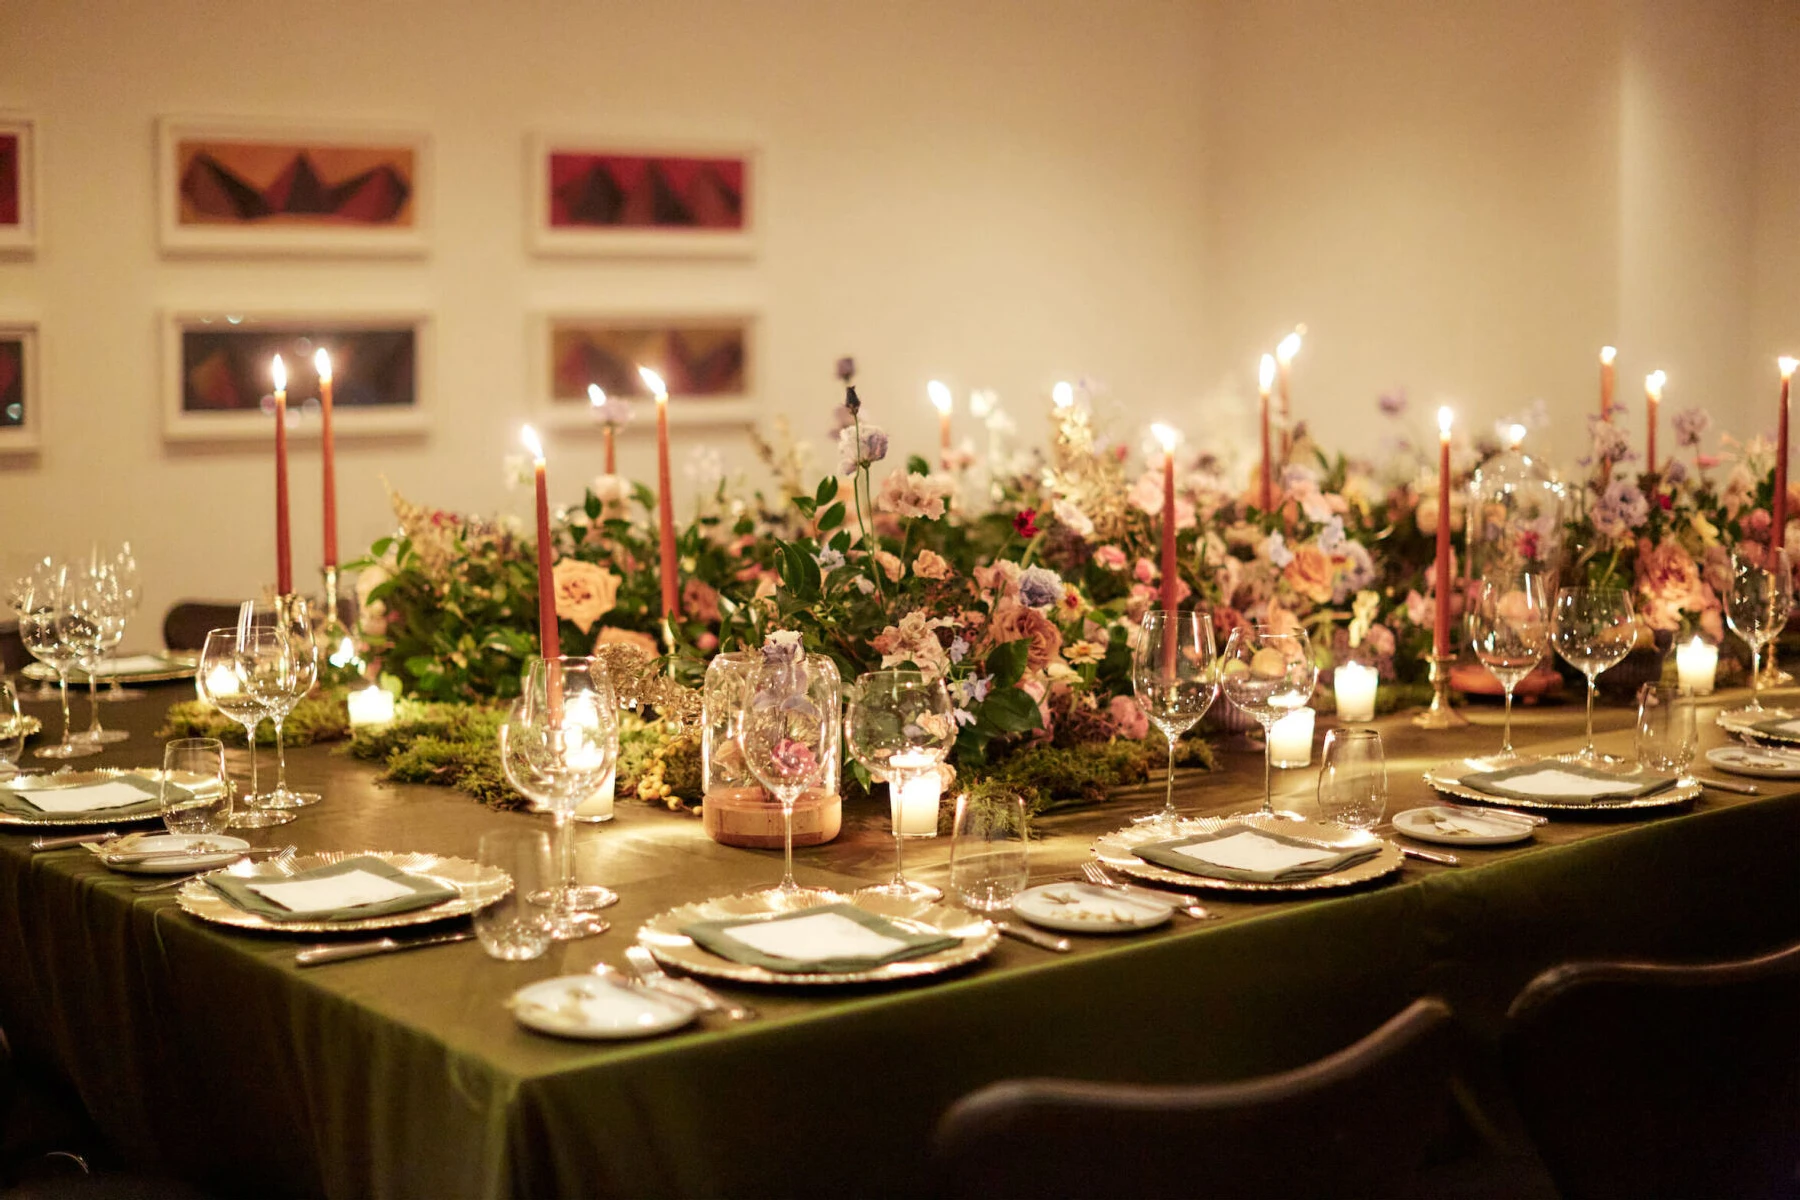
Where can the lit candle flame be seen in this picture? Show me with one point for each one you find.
(279, 371)
(1607, 354)
(1063, 394)
(529, 436)
(654, 382)
(1265, 374)
(1167, 436)
(1517, 434)
(1446, 418)
(596, 397)
(322, 364)
(1787, 366)
(1289, 347)
(1653, 384)
(940, 396)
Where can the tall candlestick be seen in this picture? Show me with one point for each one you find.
(597, 402)
(1264, 378)
(1778, 528)
(1171, 578)
(1653, 390)
(1440, 634)
(940, 400)
(549, 636)
(284, 558)
(665, 501)
(1607, 355)
(1285, 352)
(327, 454)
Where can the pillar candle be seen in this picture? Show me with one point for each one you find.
(1266, 377)
(1607, 355)
(941, 400)
(549, 637)
(284, 558)
(1440, 634)
(1653, 390)
(370, 706)
(1697, 666)
(914, 791)
(665, 499)
(328, 455)
(1354, 685)
(1290, 739)
(1778, 527)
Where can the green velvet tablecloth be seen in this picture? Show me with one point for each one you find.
(206, 1052)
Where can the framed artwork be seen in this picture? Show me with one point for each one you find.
(708, 361)
(233, 187)
(18, 185)
(617, 196)
(216, 383)
(21, 390)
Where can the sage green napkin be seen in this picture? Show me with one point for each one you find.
(1786, 728)
(17, 802)
(873, 941)
(425, 892)
(1560, 783)
(1303, 859)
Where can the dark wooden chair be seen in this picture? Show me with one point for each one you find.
(187, 623)
(13, 655)
(1355, 1123)
(1647, 1080)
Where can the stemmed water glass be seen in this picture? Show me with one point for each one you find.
(125, 568)
(1593, 629)
(294, 660)
(785, 731)
(1757, 609)
(17, 587)
(900, 726)
(103, 600)
(558, 743)
(12, 729)
(1172, 672)
(223, 681)
(57, 634)
(1268, 675)
(1509, 626)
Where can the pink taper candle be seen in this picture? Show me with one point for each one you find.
(1778, 528)
(665, 497)
(284, 556)
(327, 454)
(549, 636)
(1171, 574)
(1440, 633)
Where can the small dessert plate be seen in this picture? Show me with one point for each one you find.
(169, 853)
(1085, 908)
(1451, 827)
(593, 1008)
(1763, 762)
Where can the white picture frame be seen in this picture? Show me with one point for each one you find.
(566, 408)
(262, 144)
(19, 238)
(197, 342)
(547, 235)
(27, 436)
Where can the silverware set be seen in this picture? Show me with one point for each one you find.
(1096, 874)
(285, 853)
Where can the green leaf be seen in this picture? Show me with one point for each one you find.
(1007, 661)
(834, 516)
(1010, 711)
(841, 543)
(828, 490)
(916, 465)
(592, 507)
(805, 505)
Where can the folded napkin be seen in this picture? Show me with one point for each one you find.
(122, 796)
(1783, 727)
(1566, 781)
(1476, 825)
(1250, 855)
(823, 938)
(350, 890)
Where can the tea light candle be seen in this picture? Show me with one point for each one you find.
(1290, 739)
(599, 806)
(1697, 664)
(370, 706)
(914, 789)
(1355, 686)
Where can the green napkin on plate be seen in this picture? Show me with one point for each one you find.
(68, 801)
(826, 938)
(1559, 782)
(350, 890)
(1787, 727)
(1247, 854)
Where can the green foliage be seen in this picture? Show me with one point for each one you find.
(318, 718)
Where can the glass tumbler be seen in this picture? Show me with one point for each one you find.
(1667, 728)
(1353, 785)
(518, 925)
(989, 852)
(196, 791)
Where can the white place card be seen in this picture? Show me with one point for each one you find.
(89, 798)
(1250, 851)
(348, 890)
(815, 936)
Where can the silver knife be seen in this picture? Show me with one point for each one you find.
(63, 843)
(1726, 785)
(313, 956)
(1447, 860)
(1479, 810)
(692, 990)
(1041, 940)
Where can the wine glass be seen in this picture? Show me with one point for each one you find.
(196, 791)
(558, 743)
(222, 680)
(785, 731)
(1353, 784)
(1757, 610)
(12, 729)
(1172, 672)
(57, 634)
(1509, 626)
(124, 567)
(102, 600)
(1593, 629)
(1667, 730)
(16, 589)
(900, 726)
(1268, 675)
(293, 662)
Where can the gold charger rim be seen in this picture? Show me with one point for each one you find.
(1388, 861)
(1685, 791)
(489, 884)
(92, 817)
(1737, 725)
(662, 936)
(181, 665)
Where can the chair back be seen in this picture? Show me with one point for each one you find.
(1646, 1080)
(189, 621)
(1355, 1123)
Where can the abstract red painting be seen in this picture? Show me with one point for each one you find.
(18, 186)
(625, 197)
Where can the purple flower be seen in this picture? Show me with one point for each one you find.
(830, 560)
(1276, 548)
(781, 648)
(1331, 537)
(1675, 472)
(1691, 425)
(1392, 403)
(1620, 509)
(973, 690)
(854, 453)
(1611, 444)
(1039, 586)
(846, 368)
(959, 649)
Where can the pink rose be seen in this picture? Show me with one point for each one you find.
(1130, 719)
(1110, 558)
(699, 600)
(1144, 571)
(1013, 621)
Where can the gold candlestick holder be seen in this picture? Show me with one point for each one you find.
(1442, 714)
(331, 636)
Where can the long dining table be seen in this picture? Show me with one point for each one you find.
(209, 1053)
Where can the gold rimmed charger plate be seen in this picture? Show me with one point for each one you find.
(68, 779)
(662, 936)
(1446, 777)
(1114, 849)
(476, 886)
(1740, 725)
(29, 725)
(180, 665)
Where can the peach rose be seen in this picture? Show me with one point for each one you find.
(1669, 581)
(1013, 621)
(585, 592)
(611, 636)
(932, 565)
(1309, 573)
(890, 565)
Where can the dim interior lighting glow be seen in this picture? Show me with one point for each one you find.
(1446, 418)
(322, 364)
(279, 372)
(1166, 437)
(345, 655)
(1653, 383)
(596, 397)
(1289, 347)
(1517, 434)
(940, 396)
(1607, 354)
(1787, 366)
(1063, 394)
(654, 382)
(529, 436)
(1265, 373)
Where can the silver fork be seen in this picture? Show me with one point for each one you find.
(285, 854)
(1096, 875)
(651, 972)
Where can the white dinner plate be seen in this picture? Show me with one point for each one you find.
(176, 852)
(1085, 908)
(593, 1008)
(1452, 828)
(1764, 762)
